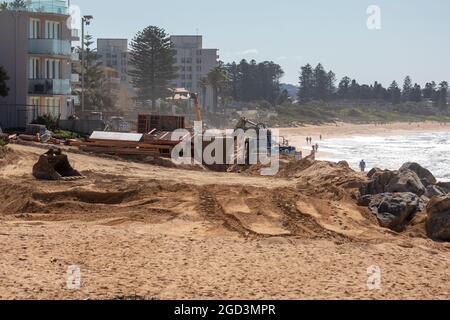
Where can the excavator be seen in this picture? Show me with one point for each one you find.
(198, 109)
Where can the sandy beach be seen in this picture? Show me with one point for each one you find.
(140, 230)
(297, 136)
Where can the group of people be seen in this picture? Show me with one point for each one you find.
(309, 140)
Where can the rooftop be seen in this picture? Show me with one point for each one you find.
(44, 6)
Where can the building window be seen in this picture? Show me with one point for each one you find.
(52, 107)
(34, 101)
(52, 69)
(188, 60)
(52, 30)
(199, 60)
(34, 68)
(199, 68)
(35, 27)
(189, 68)
(199, 52)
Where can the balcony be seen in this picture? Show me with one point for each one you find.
(75, 56)
(49, 86)
(75, 78)
(48, 6)
(75, 34)
(51, 47)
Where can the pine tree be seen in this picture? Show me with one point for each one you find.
(320, 83)
(98, 94)
(428, 91)
(18, 4)
(3, 78)
(331, 84)
(395, 94)
(416, 93)
(407, 88)
(305, 92)
(442, 95)
(153, 63)
(344, 88)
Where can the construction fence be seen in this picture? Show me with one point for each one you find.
(17, 116)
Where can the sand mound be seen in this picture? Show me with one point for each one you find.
(7, 156)
(308, 199)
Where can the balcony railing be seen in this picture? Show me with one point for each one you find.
(49, 86)
(75, 56)
(48, 6)
(75, 78)
(49, 47)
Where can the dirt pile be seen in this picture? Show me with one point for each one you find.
(314, 201)
(7, 156)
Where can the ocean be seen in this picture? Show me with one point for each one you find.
(431, 150)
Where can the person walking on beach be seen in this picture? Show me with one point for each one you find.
(362, 165)
(313, 153)
(317, 147)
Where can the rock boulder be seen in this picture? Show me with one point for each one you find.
(438, 222)
(395, 210)
(424, 175)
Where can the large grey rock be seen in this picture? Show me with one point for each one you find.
(434, 191)
(444, 186)
(406, 181)
(424, 175)
(392, 182)
(438, 222)
(380, 179)
(395, 210)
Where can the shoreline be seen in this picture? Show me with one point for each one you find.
(297, 136)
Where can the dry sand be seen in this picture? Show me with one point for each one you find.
(136, 229)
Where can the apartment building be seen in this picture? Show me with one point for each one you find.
(35, 50)
(194, 63)
(113, 53)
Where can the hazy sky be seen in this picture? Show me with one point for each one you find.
(414, 38)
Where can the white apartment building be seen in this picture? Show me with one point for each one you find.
(194, 63)
(113, 53)
(35, 50)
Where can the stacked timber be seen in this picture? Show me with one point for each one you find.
(123, 145)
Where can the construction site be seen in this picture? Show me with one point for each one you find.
(137, 225)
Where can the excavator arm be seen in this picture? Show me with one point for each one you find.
(198, 109)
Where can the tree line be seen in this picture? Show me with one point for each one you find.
(252, 81)
(320, 84)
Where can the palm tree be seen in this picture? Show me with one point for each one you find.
(4, 5)
(216, 79)
(203, 83)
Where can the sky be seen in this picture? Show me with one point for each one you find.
(413, 39)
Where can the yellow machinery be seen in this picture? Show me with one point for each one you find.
(198, 109)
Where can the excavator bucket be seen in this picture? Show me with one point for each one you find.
(53, 165)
